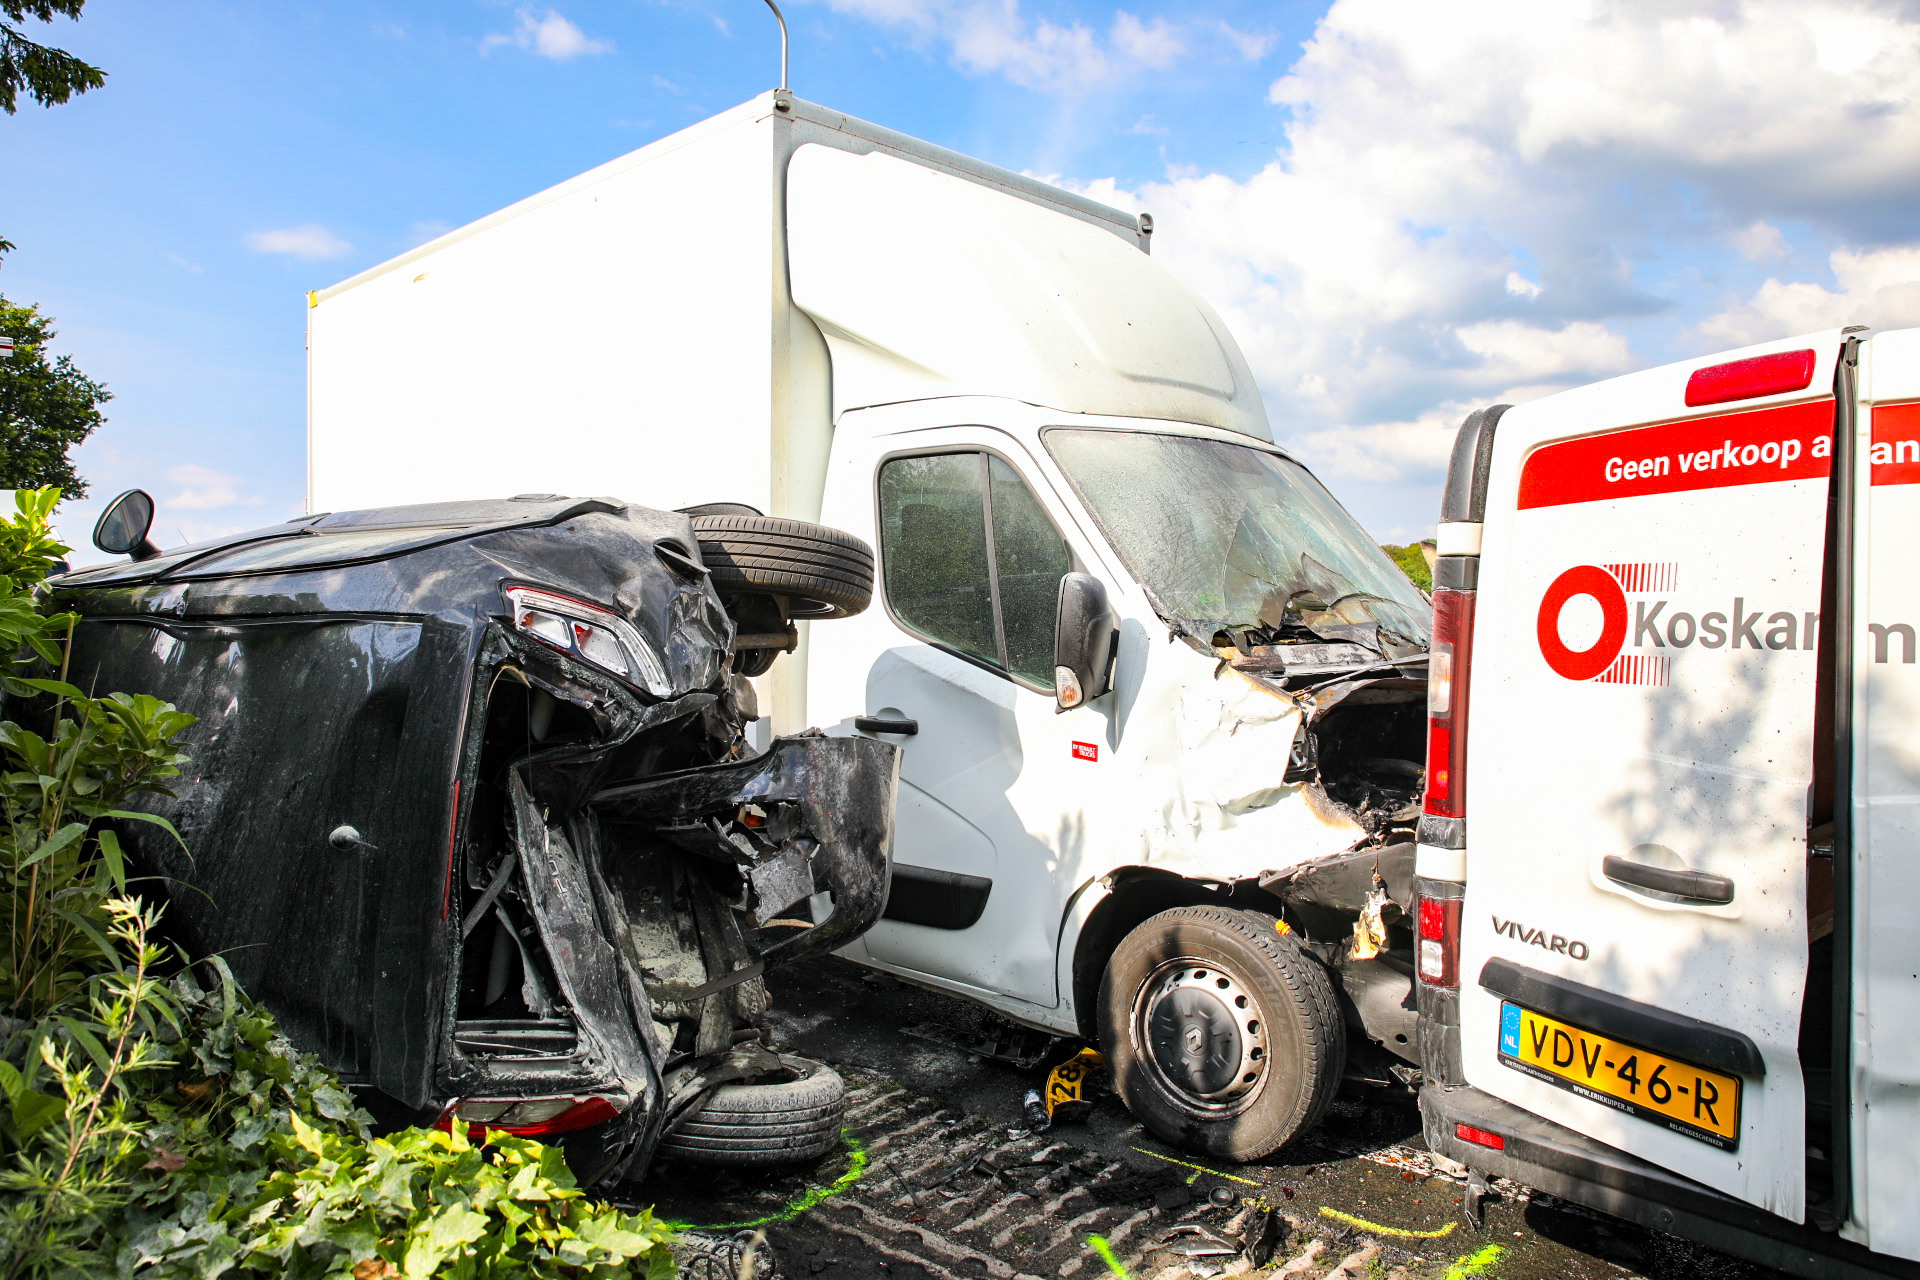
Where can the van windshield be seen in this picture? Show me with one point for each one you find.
(1233, 538)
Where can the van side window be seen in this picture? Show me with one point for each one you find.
(971, 561)
(933, 547)
(1029, 559)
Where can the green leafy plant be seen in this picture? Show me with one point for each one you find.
(1413, 562)
(155, 1120)
(47, 405)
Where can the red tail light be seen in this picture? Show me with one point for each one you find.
(1766, 375)
(527, 1117)
(1438, 946)
(1467, 1133)
(1448, 669)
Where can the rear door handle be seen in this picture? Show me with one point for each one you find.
(869, 724)
(1699, 886)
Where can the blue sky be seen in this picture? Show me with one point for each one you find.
(1403, 209)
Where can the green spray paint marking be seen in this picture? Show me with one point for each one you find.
(814, 1196)
(1100, 1246)
(1475, 1264)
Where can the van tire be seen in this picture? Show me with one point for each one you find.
(1228, 981)
(743, 1126)
(822, 572)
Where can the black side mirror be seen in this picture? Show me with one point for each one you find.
(123, 526)
(1084, 640)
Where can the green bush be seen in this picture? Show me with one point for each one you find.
(1413, 562)
(155, 1122)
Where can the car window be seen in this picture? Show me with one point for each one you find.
(1029, 557)
(993, 600)
(933, 548)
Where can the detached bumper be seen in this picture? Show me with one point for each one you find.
(1574, 1167)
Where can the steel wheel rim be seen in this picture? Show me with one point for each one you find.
(1202, 1033)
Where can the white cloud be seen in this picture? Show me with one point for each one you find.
(1758, 241)
(1253, 46)
(1151, 44)
(994, 37)
(309, 241)
(1879, 287)
(1466, 196)
(206, 489)
(549, 35)
(427, 229)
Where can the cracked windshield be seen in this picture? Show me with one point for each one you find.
(1237, 539)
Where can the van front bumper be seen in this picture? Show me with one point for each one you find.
(1574, 1167)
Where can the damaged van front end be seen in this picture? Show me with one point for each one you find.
(474, 811)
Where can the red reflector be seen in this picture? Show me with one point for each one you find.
(1437, 950)
(583, 1114)
(1744, 379)
(1479, 1137)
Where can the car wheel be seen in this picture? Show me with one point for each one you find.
(1222, 1034)
(822, 572)
(767, 1122)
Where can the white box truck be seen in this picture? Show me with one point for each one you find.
(1668, 948)
(1160, 697)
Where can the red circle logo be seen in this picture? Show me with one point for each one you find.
(1583, 580)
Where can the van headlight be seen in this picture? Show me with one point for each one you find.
(590, 633)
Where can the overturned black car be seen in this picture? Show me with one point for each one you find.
(472, 805)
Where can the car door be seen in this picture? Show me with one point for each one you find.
(1885, 933)
(1635, 940)
(961, 645)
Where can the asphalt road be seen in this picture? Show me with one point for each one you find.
(940, 1178)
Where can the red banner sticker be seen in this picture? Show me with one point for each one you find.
(1085, 751)
(1788, 442)
(1896, 444)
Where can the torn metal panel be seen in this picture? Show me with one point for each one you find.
(838, 791)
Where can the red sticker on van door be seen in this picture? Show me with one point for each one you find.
(1788, 442)
(1085, 751)
(1896, 444)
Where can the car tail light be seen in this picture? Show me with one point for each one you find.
(1448, 668)
(1438, 946)
(1766, 375)
(527, 1117)
(590, 632)
(1479, 1137)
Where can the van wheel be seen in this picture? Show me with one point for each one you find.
(822, 572)
(768, 1122)
(1222, 1034)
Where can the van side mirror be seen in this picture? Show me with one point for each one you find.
(123, 526)
(1084, 640)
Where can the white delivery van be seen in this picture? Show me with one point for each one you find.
(1160, 698)
(1668, 932)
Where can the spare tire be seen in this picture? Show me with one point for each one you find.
(775, 1122)
(821, 572)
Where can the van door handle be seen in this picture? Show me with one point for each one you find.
(1700, 886)
(869, 724)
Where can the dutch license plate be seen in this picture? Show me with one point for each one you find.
(1677, 1095)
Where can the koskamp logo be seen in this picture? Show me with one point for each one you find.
(1654, 628)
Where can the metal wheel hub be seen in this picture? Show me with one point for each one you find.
(1204, 1034)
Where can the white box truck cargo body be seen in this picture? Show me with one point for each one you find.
(1057, 453)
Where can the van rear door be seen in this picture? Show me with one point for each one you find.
(1885, 1045)
(1634, 938)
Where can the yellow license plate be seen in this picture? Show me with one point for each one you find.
(1677, 1095)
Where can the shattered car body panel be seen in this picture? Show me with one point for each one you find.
(451, 854)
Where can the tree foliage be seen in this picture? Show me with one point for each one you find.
(49, 76)
(1413, 562)
(153, 1120)
(46, 406)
